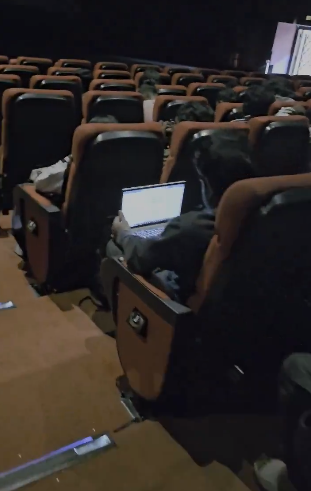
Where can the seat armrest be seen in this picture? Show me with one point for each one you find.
(149, 327)
(45, 234)
(115, 271)
(27, 192)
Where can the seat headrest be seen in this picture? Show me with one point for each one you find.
(186, 128)
(196, 85)
(14, 78)
(221, 77)
(226, 107)
(11, 94)
(163, 100)
(257, 125)
(55, 69)
(110, 65)
(106, 81)
(143, 67)
(194, 76)
(120, 74)
(243, 197)
(39, 78)
(79, 63)
(86, 132)
(92, 95)
(21, 68)
(46, 61)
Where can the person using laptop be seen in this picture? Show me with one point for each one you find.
(172, 258)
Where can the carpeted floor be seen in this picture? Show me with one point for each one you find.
(57, 385)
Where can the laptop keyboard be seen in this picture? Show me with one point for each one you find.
(149, 233)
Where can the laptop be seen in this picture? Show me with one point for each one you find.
(148, 208)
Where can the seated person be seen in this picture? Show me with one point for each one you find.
(176, 256)
(149, 92)
(257, 101)
(52, 181)
(231, 83)
(295, 398)
(281, 87)
(150, 74)
(227, 95)
(190, 111)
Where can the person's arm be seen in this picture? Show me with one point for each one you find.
(183, 236)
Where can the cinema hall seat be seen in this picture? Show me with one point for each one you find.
(4, 60)
(186, 78)
(37, 131)
(171, 90)
(62, 243)
(111, 74)
(171, 70)
(141, 67)
(228, 111)
(7, 82)
(126, 107)
(71, 83)
(248, 81)
(209, 91)
(24, 72)
(165, 79)
(42, 63)
(110, 65)
(206, 72)
(222, 79)
(234, 73)
(166, 106)
(179, 167)
(113, 84)
(67, 63)
(279, 139)
(13, 61)
(222, 351)
(63, 71)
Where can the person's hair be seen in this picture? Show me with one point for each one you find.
(223, 158)
(257, 101)
(279, 86)
(227, 95)
(150, 75)
(148, 90)
(195, 111)
(104, 119)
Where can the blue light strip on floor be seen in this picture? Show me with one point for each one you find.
(53, 462)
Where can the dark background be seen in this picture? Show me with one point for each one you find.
(189, 32)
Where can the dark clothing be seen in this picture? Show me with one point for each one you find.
(295, 388)
(179, 251)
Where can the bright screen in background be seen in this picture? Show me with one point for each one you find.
(153, 204)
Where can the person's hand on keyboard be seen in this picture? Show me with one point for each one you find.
(119, 224)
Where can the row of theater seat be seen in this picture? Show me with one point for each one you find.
(254, 281)
(108, 158)
(38, 125)
(241, 267)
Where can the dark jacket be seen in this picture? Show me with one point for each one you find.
(180, 249)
